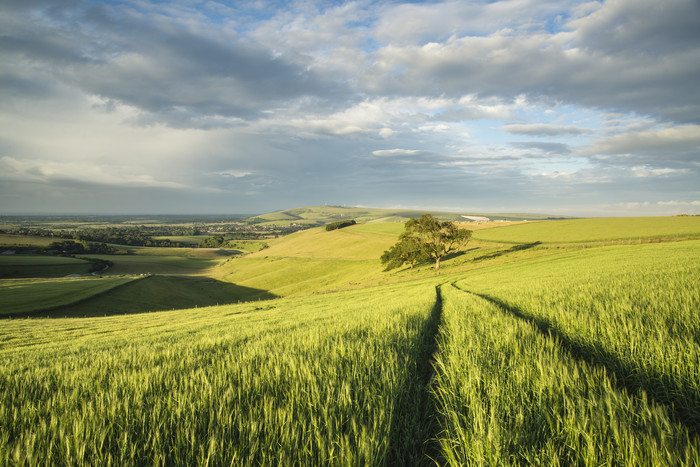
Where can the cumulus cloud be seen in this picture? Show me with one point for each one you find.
(362, 101)
(666, 147)
(571, 65)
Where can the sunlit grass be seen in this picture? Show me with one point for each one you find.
(312, 381)
(634, 309)
(19, 296)
(596, 229)
(510, 395)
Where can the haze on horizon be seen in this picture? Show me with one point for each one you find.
(563, 107)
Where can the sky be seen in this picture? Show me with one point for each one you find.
(220, 107)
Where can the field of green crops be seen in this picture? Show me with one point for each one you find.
(22, 296)
(527, 354)
(596, 230)
(303, 381)
(14, 266)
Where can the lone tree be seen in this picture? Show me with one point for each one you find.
(425, 238)
(405, 251)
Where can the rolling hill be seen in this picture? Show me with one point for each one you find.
(572, 342)
(319, 215)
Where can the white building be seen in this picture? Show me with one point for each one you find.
(477, 218)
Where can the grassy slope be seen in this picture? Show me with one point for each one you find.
(161, 261)
(21, 296)
(282, 349)
(14, 266)
(230, 385)
(325, 214)
(313, 260)
(318, 261)
(594, 230)
(157, 293)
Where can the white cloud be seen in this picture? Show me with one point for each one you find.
(235, 173)
(66, 172)
(386, 132)
(644, 172)
(665, 141)
(396, 152)
(294, 99)
(543, 129)
(679, 203)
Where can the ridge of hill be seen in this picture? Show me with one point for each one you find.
(319, 215)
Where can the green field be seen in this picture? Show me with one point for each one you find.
(569, 342)
(157, 293)
(8, 241)
(596, 230)
(14, 266)
(22, 296)
(161, 261)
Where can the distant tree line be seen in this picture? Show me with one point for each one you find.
(339, 225)
(133, 236)
(70, 247)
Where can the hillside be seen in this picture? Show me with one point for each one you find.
(526, 349)
(318, 261)
(319, 215)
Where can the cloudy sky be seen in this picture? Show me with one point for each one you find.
(187, 106)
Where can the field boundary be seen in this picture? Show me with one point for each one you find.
(622, 376)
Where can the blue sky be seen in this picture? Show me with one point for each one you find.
(561, 107)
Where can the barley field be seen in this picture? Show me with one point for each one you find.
(519, 355)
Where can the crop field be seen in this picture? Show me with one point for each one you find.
(512, 395)
(301, 381)
(160, 263)
(158, 293)
(634, 309)
(15, 266)
(21, 296)
(571, 351)
(8, 240)
(595, 230)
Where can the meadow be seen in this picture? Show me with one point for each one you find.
(539, 346)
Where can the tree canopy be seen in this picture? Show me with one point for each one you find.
(425, 238)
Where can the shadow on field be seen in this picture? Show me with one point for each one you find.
(681, 400)
(157, 293)
(523, 246)
(414, 425)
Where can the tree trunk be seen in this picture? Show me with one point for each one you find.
(437, 263)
